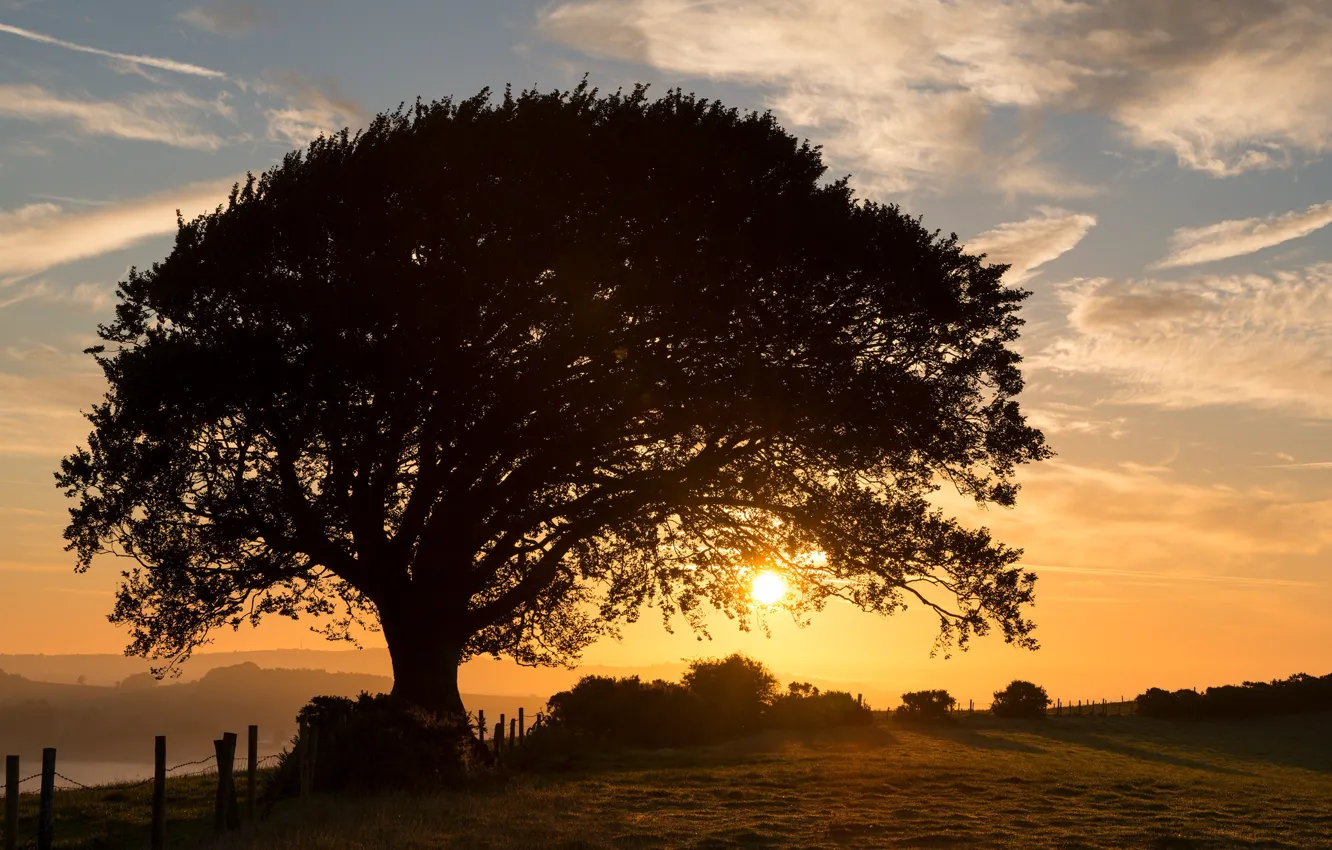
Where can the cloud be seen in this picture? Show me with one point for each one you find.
(40, 236)
(40, 412)
(92, 297)
(1060, 418)
(1029, 244)
(314, 107)
(165, 117)
(146, 61)
(903, 90)
(232, 19)
(1252, 340)
(1193, 245)
(1092, 517)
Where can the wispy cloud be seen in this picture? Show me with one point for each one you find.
(1194, 245)
(903, 90)
(133, 59)
(1156, 520)
(40, 236)
(314, 106)
(1251, 340)
(168, 117)
(1029, 244)
(40, 412)
(92, 297)
(232, 19)
(1061, 418)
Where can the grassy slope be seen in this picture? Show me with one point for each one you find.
(1068, 782)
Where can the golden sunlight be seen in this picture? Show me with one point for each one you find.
(768, 588)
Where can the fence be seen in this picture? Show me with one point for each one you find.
(517, 730)
(509, 733)
(223, 763)
(1060, 708)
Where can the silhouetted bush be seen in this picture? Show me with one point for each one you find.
(1020, 699)
(925, 705)
(719, 698)
(803, 706)
(1297, 693)
(377, 742)
(734, 692)
(631, 712)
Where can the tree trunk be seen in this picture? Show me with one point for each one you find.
(425, 660)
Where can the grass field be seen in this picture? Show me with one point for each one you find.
(981, 782)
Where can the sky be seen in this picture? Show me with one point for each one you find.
(1156, 172)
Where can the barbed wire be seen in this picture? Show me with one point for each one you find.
(128, 786)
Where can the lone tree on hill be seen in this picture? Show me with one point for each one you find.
(495, 375)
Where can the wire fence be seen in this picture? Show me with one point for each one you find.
(241, 765)
(223, 764)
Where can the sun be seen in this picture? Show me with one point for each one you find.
(767, 588)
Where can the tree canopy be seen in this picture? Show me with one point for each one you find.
(495, 374)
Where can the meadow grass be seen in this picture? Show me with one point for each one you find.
(977, 782)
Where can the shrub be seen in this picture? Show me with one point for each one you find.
(805, 707)
(734, 691)
(629, 711)
(377, 742)
(925, 705)
(1020, 699)
(1297, 693)
(719, 698)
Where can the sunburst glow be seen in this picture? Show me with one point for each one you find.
(768, 588)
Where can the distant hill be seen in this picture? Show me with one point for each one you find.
(112, 723)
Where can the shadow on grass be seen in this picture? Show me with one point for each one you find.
(1297, 740)
(1115, 741)
(971, 737)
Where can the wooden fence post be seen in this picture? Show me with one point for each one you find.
(252, 774)
(513, 732)
(971, 708)
(46, 812)
(158, 840)
(499, 738)
(522, 724)
(226, 815)
(11, 802)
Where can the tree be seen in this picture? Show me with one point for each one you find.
(1020, 699)
(735, 690)
(496, 375)
(926, 705)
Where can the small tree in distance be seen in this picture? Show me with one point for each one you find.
(737, 689)
(925, 705)
(495, 376)
(1020, 699)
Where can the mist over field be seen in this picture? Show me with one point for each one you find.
(116, 721)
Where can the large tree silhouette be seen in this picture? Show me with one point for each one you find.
(498, 374)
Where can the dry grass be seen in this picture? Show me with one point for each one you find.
(1068, 782)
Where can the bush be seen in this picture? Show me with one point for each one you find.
(804, 707)
(630, 712)
(1020, 699)
(719, 698)
(1297, 693)
(734, 691)
(377, 742)
(925, 705)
